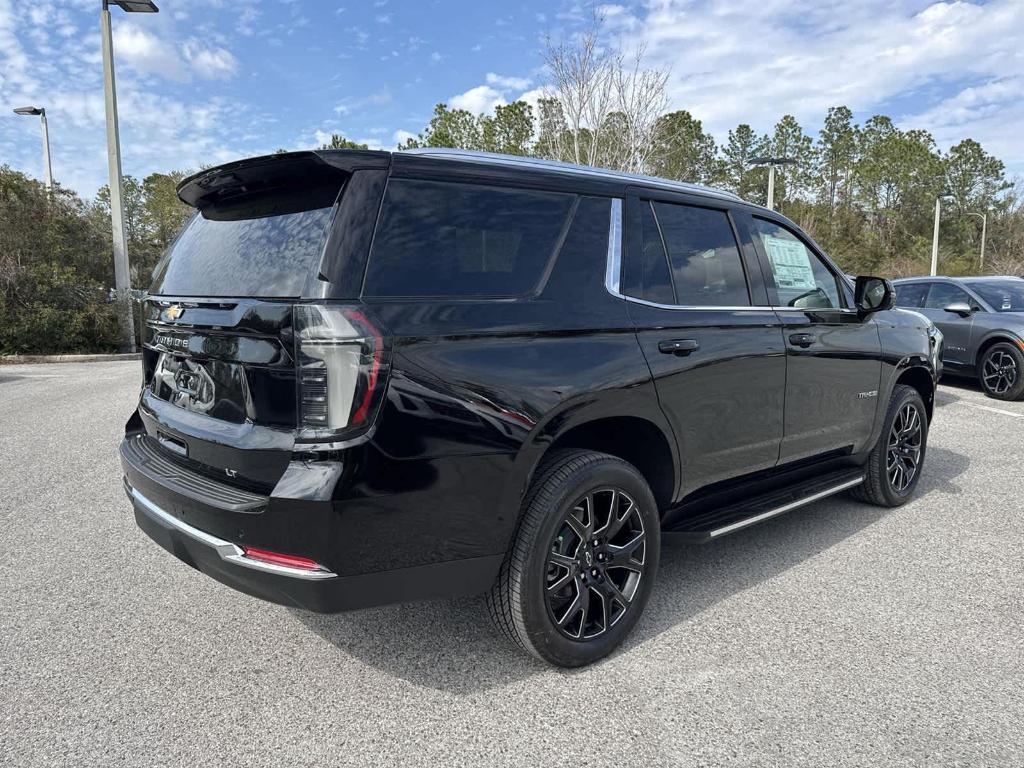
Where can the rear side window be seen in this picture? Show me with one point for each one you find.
(650, 278)
(942, 295)
(911, 295)
(244, 254)
(444, 239)
(707, 269)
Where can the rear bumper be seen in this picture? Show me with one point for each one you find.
(161, 508)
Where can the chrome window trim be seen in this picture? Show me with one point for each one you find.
(613, 277)
(229, 552)
(613, 269)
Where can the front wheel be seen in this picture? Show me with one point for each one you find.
(583, 561)
(1001, 372)
(894, 466)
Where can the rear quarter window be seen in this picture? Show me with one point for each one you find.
(911, 295)
(439, 239)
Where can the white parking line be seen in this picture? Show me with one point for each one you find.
(37, 375)
(988, 408)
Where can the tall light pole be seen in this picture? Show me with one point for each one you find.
(122, 275)
(935, 233)
(935, 237)
(771, 162)
(47, 168)
(984, 225)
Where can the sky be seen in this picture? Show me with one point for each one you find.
(205, 82)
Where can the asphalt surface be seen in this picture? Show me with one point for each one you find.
(839, 634)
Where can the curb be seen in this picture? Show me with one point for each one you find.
(19, 359)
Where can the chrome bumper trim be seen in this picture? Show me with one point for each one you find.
(229, 552)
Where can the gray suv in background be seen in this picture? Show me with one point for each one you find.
(982, 319)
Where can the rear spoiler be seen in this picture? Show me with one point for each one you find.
(238, 184)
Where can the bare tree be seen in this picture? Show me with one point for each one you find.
(581, 81)
(641, 99)
(610, 108)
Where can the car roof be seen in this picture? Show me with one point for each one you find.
(211, 184)
(962, 278)
(988, 278)
(571, 170)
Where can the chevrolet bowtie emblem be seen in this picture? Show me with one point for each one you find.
(173, 312)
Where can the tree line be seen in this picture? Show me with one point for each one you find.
(56, 262)
(865, 191)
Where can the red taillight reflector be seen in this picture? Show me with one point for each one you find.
(276, 558)
(359, 415)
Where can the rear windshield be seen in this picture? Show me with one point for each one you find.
(445, 239)
(1001, 295)
(272, 256)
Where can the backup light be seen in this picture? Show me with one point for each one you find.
(342, 368)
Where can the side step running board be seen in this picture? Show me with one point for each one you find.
(718, 522)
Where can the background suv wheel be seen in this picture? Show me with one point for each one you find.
(583, 561)
(1001, 372)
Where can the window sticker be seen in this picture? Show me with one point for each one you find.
(790, 262)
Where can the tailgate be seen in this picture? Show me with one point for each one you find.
(220, 385)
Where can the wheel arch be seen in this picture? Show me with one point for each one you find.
(996, 337)
(632, 439)
(920, 378)
(643, 440)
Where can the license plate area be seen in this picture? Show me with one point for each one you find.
(212, 387)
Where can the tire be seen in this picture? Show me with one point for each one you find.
(883, 485)
(555, 596)
(1001, 371)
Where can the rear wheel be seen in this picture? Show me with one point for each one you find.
(1001, 372)
(894, 465)
(583, 561)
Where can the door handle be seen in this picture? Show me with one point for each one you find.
(680, 347)
(801, 339)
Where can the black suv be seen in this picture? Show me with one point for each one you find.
(374, 377)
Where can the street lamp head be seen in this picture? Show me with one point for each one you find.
(30, 111)
(772, 161)
(133, 6)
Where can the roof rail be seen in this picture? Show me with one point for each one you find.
(571, 169)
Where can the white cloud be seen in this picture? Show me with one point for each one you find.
(809, 56)
(480, 100)
(322, 137)
(357, 105)
(210, 63)
(532, 97)
(513, 83)
(245, 24)
(146, 52)
(401, 136)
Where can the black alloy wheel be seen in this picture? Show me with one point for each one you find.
(893, 468)
(596, 563)
(582, 563)
(906, 439)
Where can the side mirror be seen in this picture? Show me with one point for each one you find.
(961, 308)
(873, 294)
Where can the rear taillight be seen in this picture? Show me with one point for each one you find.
(342, 367)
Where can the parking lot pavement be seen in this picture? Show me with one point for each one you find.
(840, 634)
